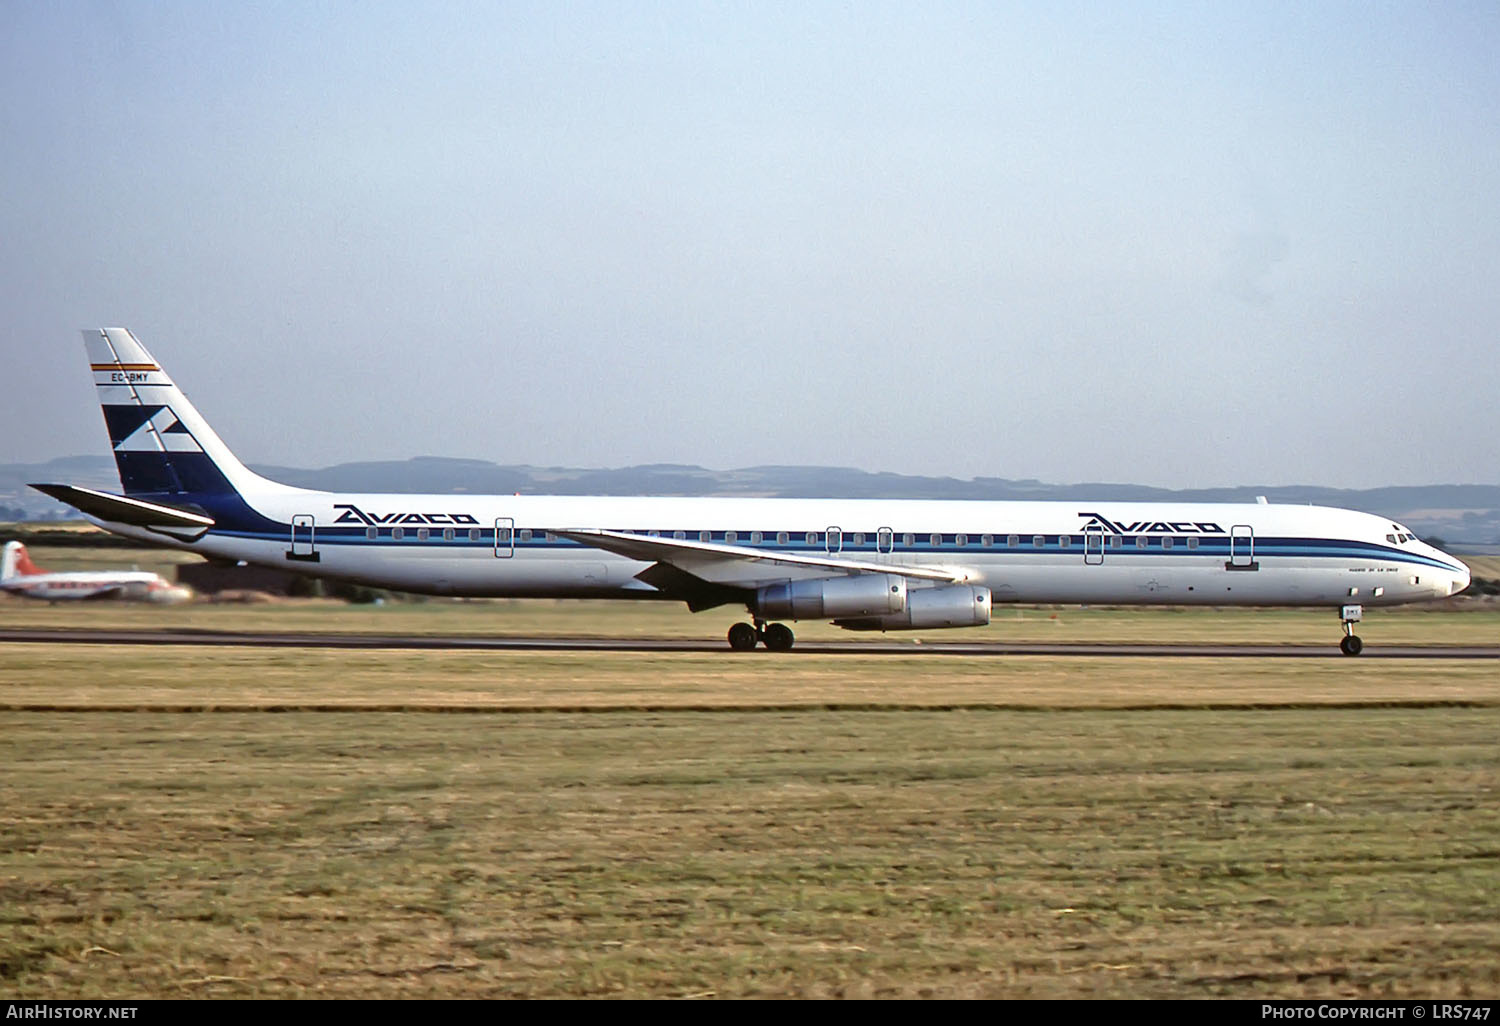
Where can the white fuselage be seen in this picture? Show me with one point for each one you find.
(71, 585)
(862, 564)
(1074, 552)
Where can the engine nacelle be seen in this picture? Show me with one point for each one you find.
(951, 605)
(863, 595)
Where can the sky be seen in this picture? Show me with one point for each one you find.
(1184, 245)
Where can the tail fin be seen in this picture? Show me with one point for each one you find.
(163, 446)
(16, 562)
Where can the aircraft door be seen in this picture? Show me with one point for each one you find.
(1093, 545)
(885, 541)
(1241, 548)
(833, 540)
(304, 546)
(505, 537)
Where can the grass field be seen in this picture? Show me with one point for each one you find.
(64, 677)
(684, 824)
(952, 854)
(559, 824)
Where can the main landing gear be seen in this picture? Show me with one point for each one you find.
(1351, 645)
(777, 637)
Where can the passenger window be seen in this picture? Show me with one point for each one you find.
(1012, 541)
(1141, 541)
(679, 535)
(859, 539)
(1115, 541)
(423, 534)
(1166, 543)
(781, 537)
(756, 537)
(397, 533)
(987, 540)
(1192, 543)
(1064, 540)
(526, 534)
(960, 540)
(730, 537)
(705, 536)
(1038, 541)
(936, 541)
(812, 537)
(372, 533)
(908, 540)
(447, 534)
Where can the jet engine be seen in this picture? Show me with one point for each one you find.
(860, 595)
(950, 605)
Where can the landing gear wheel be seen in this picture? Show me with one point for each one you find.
(779, 637)
(742, 637)
(1350, 615)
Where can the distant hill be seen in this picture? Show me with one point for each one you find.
(1457, 513)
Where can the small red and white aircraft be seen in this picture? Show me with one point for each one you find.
(20, 576)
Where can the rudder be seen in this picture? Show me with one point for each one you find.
(16, 562)
(162, 445)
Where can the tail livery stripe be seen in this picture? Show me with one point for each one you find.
(162, 446)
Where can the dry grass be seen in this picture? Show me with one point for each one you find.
(1474, 624)
(1487, 567)
(685, 824)
(955, 854)
(209, 677)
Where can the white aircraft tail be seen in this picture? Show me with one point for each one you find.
(16, 562)
(163, 446)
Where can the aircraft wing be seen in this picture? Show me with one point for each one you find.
(737, 566)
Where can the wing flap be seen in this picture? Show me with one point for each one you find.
(696, 592)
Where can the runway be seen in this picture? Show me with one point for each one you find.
(882, 648)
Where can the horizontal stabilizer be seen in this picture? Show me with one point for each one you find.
(120, 510)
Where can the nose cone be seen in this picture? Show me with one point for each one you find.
(1461, 578)
(1456, 579)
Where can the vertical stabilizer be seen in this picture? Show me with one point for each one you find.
(16, 562)
(163, 446)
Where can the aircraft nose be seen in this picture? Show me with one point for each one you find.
(1461, 580)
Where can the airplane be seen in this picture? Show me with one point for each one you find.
(865, 565)
(20, 576)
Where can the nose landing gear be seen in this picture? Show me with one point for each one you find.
(1349, 616)
(777, 637)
